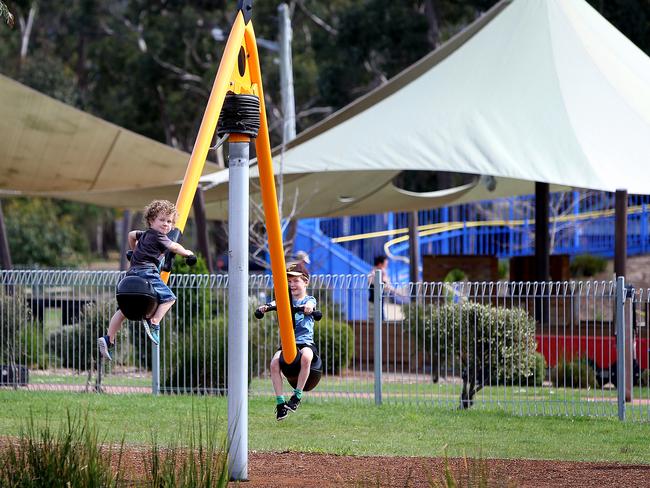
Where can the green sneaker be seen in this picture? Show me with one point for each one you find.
(152, 330)
(105, 346)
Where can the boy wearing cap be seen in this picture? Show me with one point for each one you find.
(298, 277)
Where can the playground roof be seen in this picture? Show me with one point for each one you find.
(534, 90)
(48, 146)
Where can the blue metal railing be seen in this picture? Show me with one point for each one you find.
(582, 222)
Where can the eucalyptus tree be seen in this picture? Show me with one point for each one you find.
(6, 14)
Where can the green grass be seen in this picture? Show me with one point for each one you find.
(81, 379)
(335, 384)
(345, 427)
(52, 320)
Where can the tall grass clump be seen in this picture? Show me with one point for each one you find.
(469, 473)
(201, 462)
(70, 457)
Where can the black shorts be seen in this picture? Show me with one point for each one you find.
(310, 346)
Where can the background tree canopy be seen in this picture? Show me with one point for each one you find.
(149, 65)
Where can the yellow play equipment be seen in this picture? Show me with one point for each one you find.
(238, 90)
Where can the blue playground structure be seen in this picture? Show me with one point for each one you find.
(581, 222)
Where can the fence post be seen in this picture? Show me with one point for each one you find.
(155, 369)
(98, 378)
(644, 229)
(620, 345)
(378, 317)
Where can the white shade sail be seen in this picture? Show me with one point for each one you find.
(534, 90)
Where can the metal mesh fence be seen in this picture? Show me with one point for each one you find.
(571, 348)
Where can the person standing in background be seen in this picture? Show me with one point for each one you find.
(381, 264)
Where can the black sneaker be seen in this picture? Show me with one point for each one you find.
(293, 403)
(104, 345)
(281, 411)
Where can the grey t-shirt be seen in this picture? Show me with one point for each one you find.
(150, 248)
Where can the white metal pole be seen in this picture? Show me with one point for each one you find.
(286, 74)
(238, 311)
(378, 312)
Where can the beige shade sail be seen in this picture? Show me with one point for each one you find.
(50, 147)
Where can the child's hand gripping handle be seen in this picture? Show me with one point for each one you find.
(317, 314)
(168, 263)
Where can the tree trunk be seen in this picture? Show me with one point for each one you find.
(433, 33)
(26, 31)
(5, 253)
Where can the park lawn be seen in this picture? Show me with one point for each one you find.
(140, 381)
(341, 427)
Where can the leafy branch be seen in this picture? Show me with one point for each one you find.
(6, 14)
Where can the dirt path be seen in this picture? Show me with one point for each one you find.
(298, 470)
(290, 469)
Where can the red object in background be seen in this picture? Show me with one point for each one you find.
(600, 349)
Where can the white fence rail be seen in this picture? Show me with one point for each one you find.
(528, 348)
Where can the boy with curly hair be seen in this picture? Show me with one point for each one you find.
(148, 248)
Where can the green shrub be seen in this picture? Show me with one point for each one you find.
(197, 358)
(193, 299)
(335, 341)
(587, 265)
(15, 314)
(490, 343)
(455, 275)
(75, 346)
(136, 345)
(263, 340)
(644, 378)
(34, 353)
(453, 287)
(574, 373)
(198, 354)
(538, 374)
(503, 269)
(40, 233)
(181, 267)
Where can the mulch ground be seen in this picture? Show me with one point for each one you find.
(295, 469)
(292, 469)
